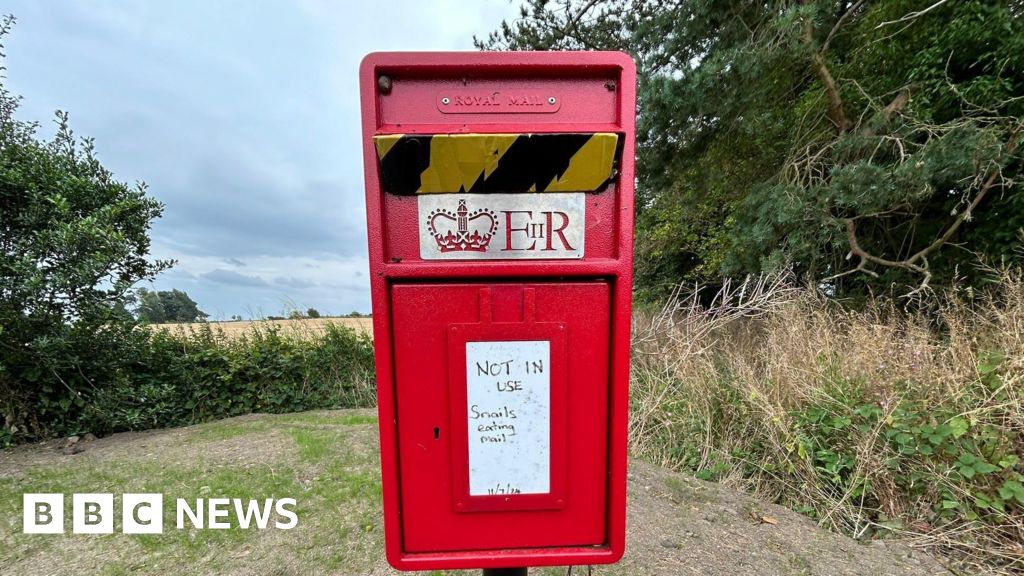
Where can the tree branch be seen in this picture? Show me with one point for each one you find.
(959, 220)
(839, 24)
(573, 20)
(856, 250)
(897, 104)
(835, 107)
(912, 263)
(913, 15)
(890, 111)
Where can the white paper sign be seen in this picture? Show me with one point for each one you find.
(509, 411)
(501, 226)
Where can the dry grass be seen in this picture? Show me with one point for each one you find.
(304, 326)
(847, 415)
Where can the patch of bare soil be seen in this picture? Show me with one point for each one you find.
(680, 525)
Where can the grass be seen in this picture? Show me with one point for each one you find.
(329, 464)
(327, 461)
(877, 422)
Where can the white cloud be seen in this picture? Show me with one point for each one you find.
(244, 120)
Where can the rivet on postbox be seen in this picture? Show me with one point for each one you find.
(500, 230)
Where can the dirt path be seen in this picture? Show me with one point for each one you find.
(681, 525)
(328, 460)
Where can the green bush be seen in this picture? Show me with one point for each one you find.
(167, 378)
(200, 375)
(74, 241)
(965, 467)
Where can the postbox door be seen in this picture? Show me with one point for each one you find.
(502, 414)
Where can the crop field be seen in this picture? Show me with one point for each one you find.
(303, 326)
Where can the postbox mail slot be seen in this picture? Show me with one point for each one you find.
(502, 413)
(481, 163)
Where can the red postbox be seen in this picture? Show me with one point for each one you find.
(499, 198)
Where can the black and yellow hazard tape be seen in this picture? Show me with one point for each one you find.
(482, 163)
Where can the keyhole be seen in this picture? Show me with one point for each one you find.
(437, 433)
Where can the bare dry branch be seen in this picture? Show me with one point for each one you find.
(571, 23)
(839, 24)
(912, 15)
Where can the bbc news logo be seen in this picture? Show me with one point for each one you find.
(144, 513)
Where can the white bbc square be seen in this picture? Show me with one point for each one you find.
(42, 513)
(92, 513)
(142, 513)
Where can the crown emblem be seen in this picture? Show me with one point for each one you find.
(462, 230)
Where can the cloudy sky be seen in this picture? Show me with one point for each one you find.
(243, 119)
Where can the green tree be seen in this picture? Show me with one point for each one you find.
(313, 313)
(73, 241)
(179, 307)
(150, 307)
(860, 143)
(157, 307)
